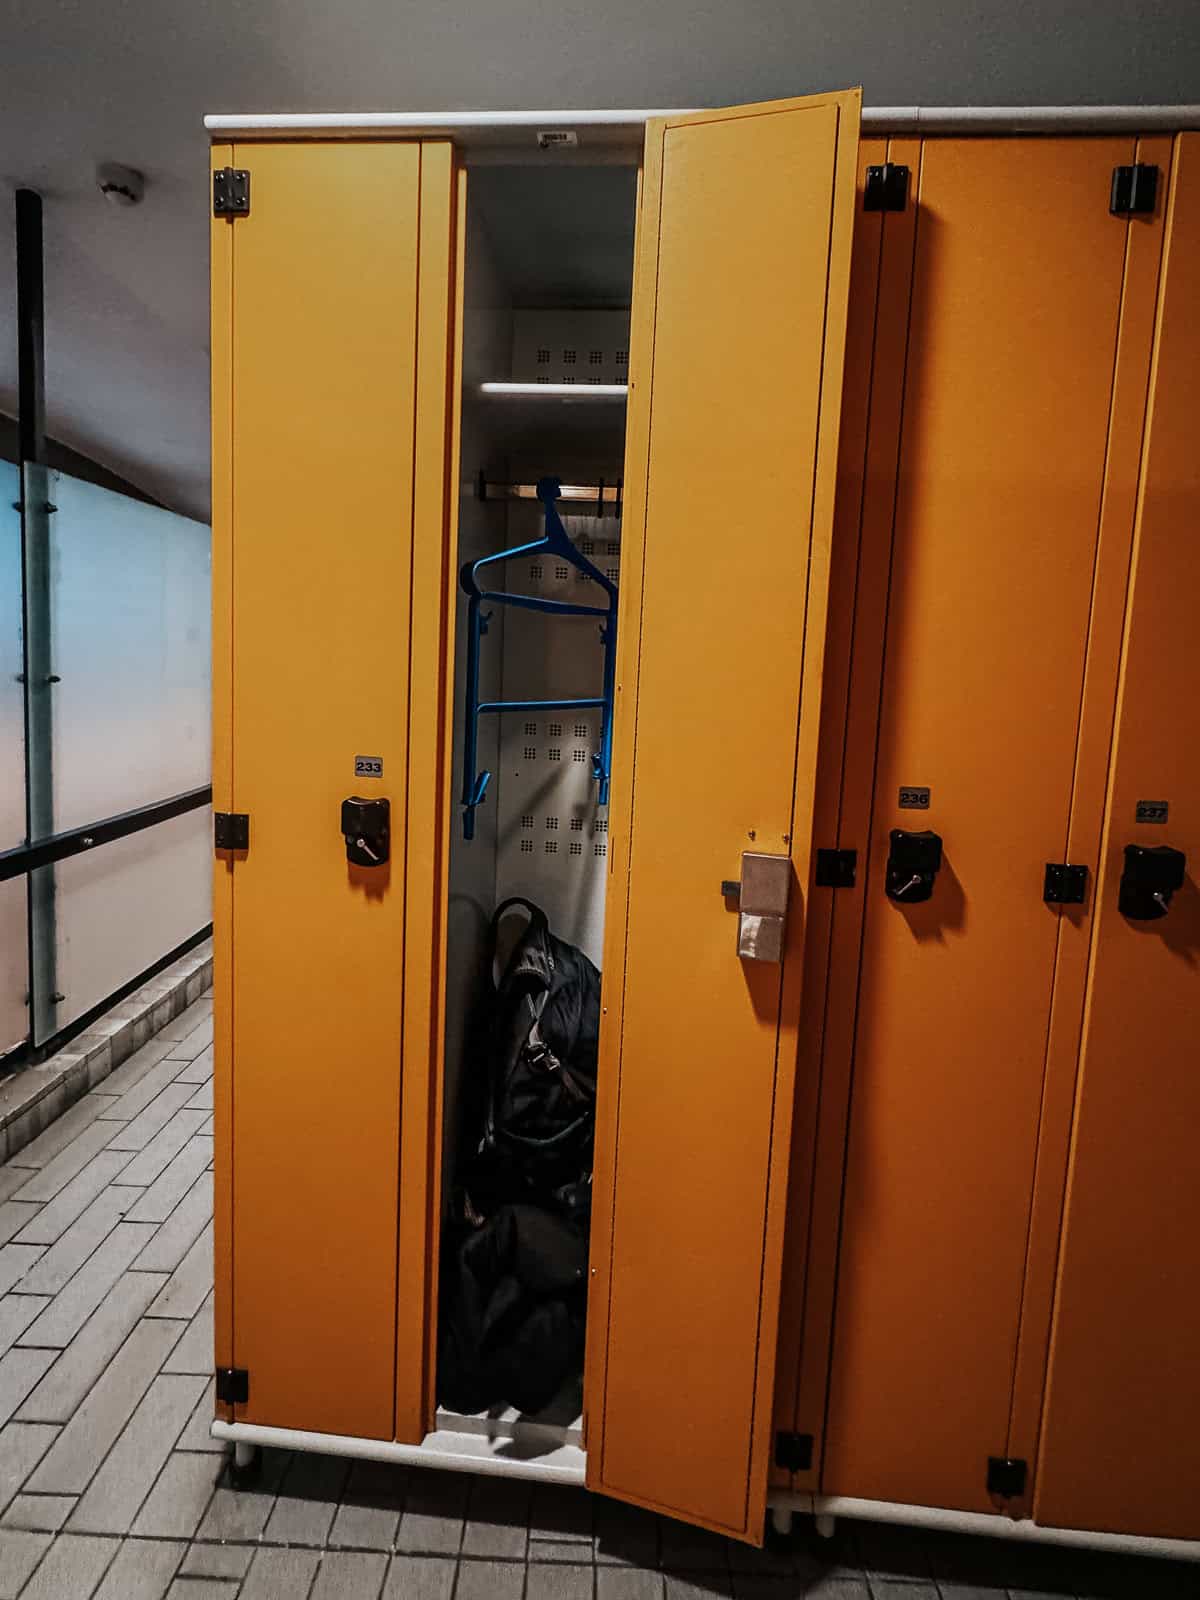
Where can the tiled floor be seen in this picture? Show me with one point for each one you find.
(111, 1488)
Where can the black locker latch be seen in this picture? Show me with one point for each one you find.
(231, 192)
(836, 869)
(231, 830)
(1065, 884)
(233, 1386)
(886, 188)
(1134, 190)
(794, 1451)
(1006, 1476)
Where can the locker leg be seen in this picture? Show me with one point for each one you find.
(824, 1524)
(781, 1520)
(246, 1464)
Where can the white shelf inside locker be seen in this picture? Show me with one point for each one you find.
(560, 393)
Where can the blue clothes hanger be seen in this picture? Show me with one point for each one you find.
(555, 541)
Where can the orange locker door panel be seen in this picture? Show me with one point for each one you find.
(739, 329)
(1120, 1446)
(315, 360)
(1016, 303)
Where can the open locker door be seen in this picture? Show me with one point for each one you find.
(739, 323)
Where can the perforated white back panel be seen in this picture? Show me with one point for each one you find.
(552, 835)
(570, 347)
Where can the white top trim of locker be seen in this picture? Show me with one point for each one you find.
(608, 132)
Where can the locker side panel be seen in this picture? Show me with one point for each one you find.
(1120, 1438)
(1014, 317)
(323, 355)
(739, 326)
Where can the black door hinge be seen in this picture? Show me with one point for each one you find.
(233, 1386)
(1006, 1476)
(231, 192)
(836, 869)
(886, 188)
(794, 1451)
(1134, 190)
(1065, 885)
(231, 830)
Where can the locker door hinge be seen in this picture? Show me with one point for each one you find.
(794, 1451)
(886, 188)
(231, 830)
(836, 869)
(1006, 1476)
(233, 1386)
(231, 192)
(1065, 885)
(1134, 190)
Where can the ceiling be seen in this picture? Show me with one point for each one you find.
(130, 80)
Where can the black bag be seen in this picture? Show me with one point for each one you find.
(533, 1137)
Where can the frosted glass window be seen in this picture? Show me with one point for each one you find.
(14, 964)
(130, 642)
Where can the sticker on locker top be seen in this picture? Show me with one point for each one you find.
(1152, 811)
(913, 798)
(368, 766)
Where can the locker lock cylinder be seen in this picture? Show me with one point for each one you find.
(914, 857)
(366, 827)
(1152, 874)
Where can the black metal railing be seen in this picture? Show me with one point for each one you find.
(26, 858)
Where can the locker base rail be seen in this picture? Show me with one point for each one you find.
(454, 1452)
(826, 1508)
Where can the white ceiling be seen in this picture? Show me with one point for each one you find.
(130, 80)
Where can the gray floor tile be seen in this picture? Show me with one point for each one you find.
(200, 1070)
(39, 1513)
(687, 1549)
(698, 1585)
(150, 1163)
(70, 1569)
(111, 1500)
(188, 1020)
(89, 1230)
(15, 1261)
(497, 1519)
(206, 1127)
(17, 1311)
(625, 1535)
(189, 1285)
(628, 1583)
(137, 1133)
(280, 1575)
(73, 1305)
(970, 1591)
(201, 1589)
(22, 1446)
(131, 1074)
(142, 1570)
(86, 1440)
(165, 1193)
(197, 1434)
(559, 1582)
(20, 1370)
(349, 1575)
(308, 1499)
(41, 1151)
(68, 1163)
(53, 1220)
(194, 1352)
(241, 1514)
(434, 1512)
(371, 1504)
(891, 1551)
(179, 1498)
(19, 1554)
(70, 1380)
(216, 1561)
(561, 1513)
(202, 1100)
(419, 1578)
(12, 1176)
(14, 1216)
(898, 1589)
(181, 1229)
(490, 1580)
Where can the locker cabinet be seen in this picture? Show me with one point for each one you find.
(338, 340)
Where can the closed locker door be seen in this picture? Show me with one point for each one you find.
(319, 496)
(736, 366)
(1120, 1436)
(1017, 273)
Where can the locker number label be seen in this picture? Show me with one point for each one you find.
(913, 798)
(1152, 811)
(368, 766)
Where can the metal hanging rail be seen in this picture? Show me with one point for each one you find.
(596, 495)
